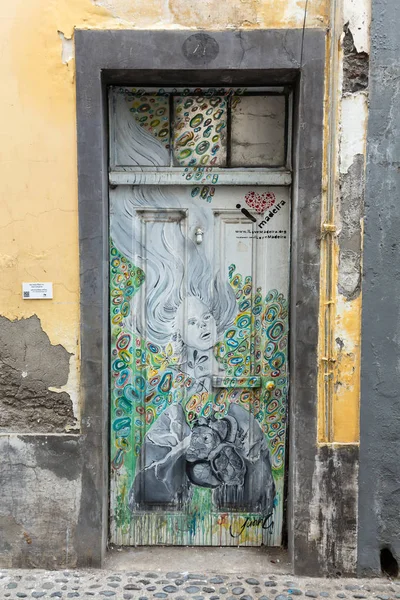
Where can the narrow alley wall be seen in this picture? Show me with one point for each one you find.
(379, 500)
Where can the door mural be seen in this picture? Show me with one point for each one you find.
(199, 337)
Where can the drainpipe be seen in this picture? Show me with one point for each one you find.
(328, 237)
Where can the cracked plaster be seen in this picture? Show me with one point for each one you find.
(29, 366)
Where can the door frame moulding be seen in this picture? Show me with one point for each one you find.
(172, 58)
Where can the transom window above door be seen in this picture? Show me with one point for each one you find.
(209, 128)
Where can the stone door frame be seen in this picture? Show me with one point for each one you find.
(217, 59)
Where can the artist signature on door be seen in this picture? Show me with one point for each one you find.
(266, 523)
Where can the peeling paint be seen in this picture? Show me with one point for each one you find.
(67, 48)
(351, 214)
(353, 129)
(339, 386)
(357, 13)
(29, 364)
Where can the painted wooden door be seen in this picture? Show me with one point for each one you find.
(199, 277)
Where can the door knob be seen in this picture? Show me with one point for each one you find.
(199, 235)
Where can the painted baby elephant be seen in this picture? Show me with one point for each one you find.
(228, 454)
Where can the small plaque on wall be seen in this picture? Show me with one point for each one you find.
(37, 291)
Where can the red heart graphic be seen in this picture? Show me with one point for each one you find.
(260, 202)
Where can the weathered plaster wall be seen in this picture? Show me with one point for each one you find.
(39, 242)
(379, 501)
(335, 535)
(340, 325)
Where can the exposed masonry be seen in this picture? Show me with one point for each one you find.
(29, 366)
(355, 65)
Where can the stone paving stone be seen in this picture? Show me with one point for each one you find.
(351, 587)
(66, 585)
(252, 581)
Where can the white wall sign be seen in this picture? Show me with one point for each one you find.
(37, 291)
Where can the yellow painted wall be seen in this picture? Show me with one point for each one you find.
(38, 161)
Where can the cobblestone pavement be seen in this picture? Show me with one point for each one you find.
(129, 585)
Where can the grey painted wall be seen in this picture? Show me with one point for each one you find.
(379, 498)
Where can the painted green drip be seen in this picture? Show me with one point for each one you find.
(200, 510)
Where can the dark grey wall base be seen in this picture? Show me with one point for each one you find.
(328, 547)
(379, 503)
(40, 490)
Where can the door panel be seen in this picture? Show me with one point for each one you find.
(199, 328)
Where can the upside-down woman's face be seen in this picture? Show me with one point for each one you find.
(200, 329)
